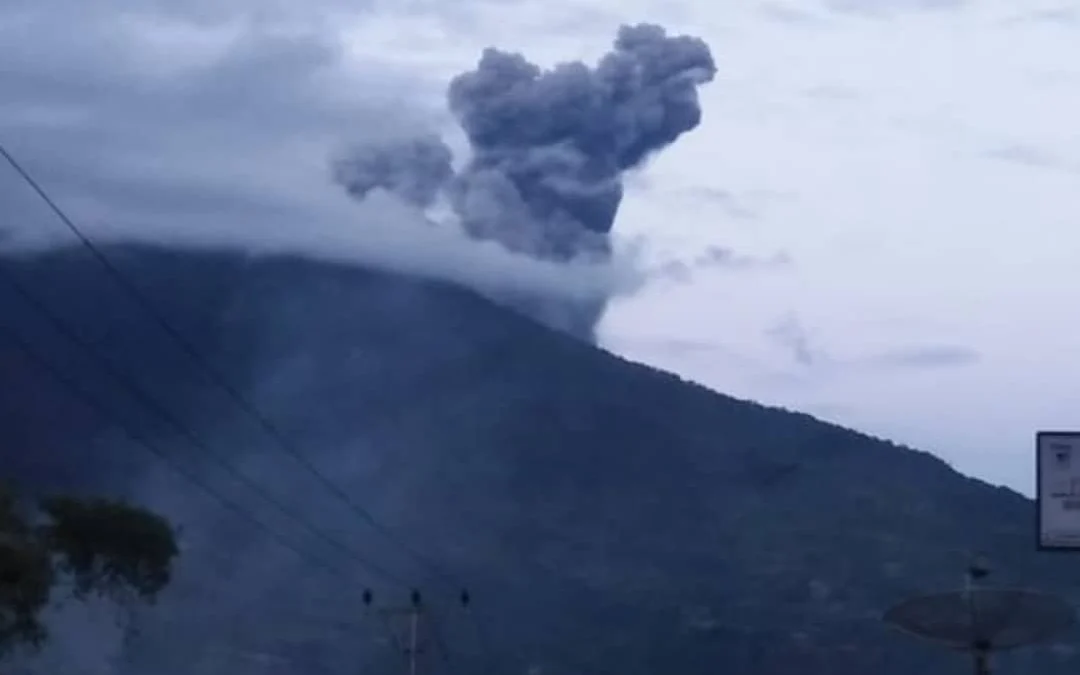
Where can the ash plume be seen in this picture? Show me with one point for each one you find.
(414, 169)
(548, 149)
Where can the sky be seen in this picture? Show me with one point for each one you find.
(874, 223)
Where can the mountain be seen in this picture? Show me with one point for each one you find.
(606, 517)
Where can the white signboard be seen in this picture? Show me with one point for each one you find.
(1058, 489)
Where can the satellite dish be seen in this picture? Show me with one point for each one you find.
(980, 621)
(992, 619)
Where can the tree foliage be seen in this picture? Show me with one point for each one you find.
(98, 546)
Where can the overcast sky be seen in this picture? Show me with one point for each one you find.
(910, 170)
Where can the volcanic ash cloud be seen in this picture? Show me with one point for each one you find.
(548, 148)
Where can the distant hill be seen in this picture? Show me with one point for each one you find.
(607, 517)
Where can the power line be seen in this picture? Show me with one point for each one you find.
(238, 398)
(485, 642)
(440, 643)
(220, 380)
(136, 391)
(80, 393)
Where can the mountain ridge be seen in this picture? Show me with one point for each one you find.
(619, 504)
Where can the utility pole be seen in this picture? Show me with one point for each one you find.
(980, 647)
(407, 625)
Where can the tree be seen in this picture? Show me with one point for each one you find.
(97, 546)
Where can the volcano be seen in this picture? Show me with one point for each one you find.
(605, 517)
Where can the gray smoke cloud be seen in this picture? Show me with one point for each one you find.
(414, 169)
(548, 148)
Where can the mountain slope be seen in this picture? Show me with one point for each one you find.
(607, 517)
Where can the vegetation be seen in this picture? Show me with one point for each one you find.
(612, 518)
(88, 546)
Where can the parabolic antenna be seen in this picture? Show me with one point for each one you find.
(980, 621)
(983, 619)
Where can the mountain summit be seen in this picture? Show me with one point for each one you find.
(605, 517)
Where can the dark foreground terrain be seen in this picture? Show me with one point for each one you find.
(607, 518)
